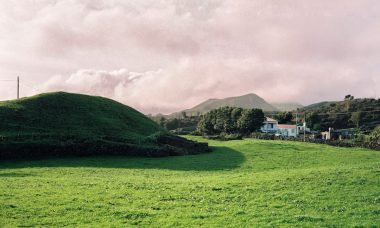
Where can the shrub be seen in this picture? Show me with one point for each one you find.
(265, 136)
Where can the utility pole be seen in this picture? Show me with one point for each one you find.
(18, 87)
(297, 124)
(304, 127)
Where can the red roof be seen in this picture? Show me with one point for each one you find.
(287, 126)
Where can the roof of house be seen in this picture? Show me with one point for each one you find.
(287, 126)
(268, 119)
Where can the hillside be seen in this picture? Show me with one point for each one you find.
(246, 101)
(319, 105)
(284, 107)
(363, 113)
(72, 124)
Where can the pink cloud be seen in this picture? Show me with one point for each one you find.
(189, 51)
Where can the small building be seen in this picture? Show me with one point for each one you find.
(333, 134)
(303, 128)
(287, 130)
(269, 125)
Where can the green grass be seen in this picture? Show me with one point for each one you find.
(66, 114)
(57, 124)
(248, 183)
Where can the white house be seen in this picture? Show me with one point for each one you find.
(287, 130)
(269, 125)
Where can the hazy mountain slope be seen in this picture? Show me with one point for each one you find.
(246, 101)
(287, 106)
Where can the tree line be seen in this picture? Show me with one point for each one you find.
(230, 120)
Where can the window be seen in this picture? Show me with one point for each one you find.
(270, 125)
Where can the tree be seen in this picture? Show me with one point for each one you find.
(314, 121)
(229, 120)
(285, 117)
(172, 124)
(356, 118)
(205, 124)
(251, 120)
(184, 115)
(162, 121)
(348, 97)
(375, 135)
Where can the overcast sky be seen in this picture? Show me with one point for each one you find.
(164, 56)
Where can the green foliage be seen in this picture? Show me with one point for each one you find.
(73, 124)
(375, 135)
(313, 120)
(185, 125)
(356, 118)
(350, 113)
(229, 120)
(349, 97)
(250, 120)
(172, 124)
(243, 183)
(284, 118)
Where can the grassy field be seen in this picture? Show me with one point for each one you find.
(239, 184)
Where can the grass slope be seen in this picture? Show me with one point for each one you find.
(63, 123)
(248, 183)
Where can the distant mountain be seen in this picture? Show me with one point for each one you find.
(246, 101)
(287, 106)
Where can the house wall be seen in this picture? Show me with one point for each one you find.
(269, 127)
(288, 132)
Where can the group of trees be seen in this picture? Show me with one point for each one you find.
(284, 118)
(186, 123)
(229, 120)
(363, 114)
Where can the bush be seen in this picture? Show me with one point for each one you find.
(228, 137)
(156, 145)
(265, 136)
(224, 137)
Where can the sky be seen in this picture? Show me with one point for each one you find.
(162, 56)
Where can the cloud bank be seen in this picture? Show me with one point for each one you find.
(164, 56)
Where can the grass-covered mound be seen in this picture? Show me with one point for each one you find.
(72, 124)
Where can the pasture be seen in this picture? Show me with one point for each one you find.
(239, 184)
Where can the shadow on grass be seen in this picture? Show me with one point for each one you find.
(220, 158)
(15, 175)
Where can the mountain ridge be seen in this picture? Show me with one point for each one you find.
(250, 100)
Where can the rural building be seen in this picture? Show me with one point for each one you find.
(333, 134)
(287, 130)
(302, 128)
(269, 125)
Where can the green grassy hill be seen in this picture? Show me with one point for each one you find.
(247, 183)
(64, 123)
